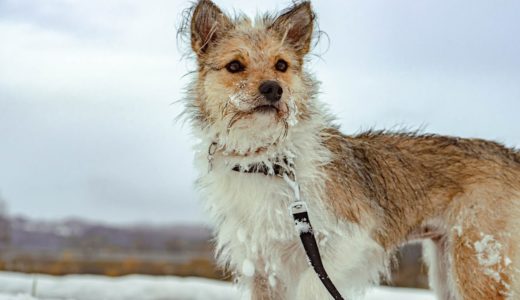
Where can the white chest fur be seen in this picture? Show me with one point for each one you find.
(250, 212)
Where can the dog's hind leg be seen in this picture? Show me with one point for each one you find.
(482, 266)
(484, 248)
(440, 271)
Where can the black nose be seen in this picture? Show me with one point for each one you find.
(271, 90)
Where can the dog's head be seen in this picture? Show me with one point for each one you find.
(251, 87)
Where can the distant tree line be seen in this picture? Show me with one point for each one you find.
(5, 228)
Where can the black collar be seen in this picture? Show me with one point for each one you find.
(279, 167)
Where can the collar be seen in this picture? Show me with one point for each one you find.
(279, 167)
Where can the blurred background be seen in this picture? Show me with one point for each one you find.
(96, 177)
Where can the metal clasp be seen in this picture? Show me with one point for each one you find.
(211, 152)
(298, 207)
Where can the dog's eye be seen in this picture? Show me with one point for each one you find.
(235, 67)
(281, 65)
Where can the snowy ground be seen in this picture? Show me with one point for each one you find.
(16, 286)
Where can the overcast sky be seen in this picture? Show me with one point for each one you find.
(86, 90)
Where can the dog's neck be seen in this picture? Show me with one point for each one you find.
(260, 160)
(278, 168)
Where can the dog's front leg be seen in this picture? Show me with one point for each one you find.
(310, 287)
(262, 289)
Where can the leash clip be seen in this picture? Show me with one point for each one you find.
(298, 207)
(211, 152)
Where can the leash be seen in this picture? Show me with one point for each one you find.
(302, 223)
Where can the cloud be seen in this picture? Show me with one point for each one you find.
(86, 91)
(81, 108)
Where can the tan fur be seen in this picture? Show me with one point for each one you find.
(461, 195)
(406, 182)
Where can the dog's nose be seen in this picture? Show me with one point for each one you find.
(271, 90)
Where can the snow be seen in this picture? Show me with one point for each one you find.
(272, 280)
(458, 229)
(302, 226)
(248, 269)
(16, 286)
(507, 261)
(488, 255)
(386, 293)
(488, 251)
(89, 287)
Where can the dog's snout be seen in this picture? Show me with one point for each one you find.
(271, 90)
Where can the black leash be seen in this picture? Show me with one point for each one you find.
(303, 225)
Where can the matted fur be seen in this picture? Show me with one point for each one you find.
(367, 194)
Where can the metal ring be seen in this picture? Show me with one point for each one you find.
(212, 148)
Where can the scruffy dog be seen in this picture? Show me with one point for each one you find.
(255, 111)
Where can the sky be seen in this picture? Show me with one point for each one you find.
(89, 91)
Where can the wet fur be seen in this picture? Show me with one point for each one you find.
(368, 194)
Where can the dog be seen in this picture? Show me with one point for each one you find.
(254, 109)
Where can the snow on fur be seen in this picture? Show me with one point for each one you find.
(489, 256)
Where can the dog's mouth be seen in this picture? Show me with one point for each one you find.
(266, 108)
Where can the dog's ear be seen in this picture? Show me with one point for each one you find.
(208, 24)
(295, 25)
